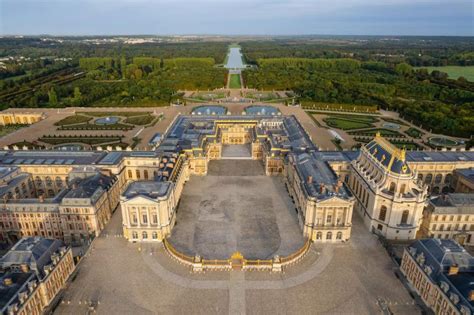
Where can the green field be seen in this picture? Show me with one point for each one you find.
(455, 72)
(234, 81)
(346, 124)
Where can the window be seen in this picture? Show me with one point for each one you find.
(403, 188)
(144, 235)
(154, 218)
(404, 219)
(329, 219)
(137, 173)
(144, 218)
(134, 218)
(429, 178)
(441, 227)
(154, 235)
(129, 174)
(319, 235)
(379, 227)
(339, 236)
(383, 213)
(134, 235)
(393, 187)
(145, 174)
(438, 178)
(447, 179)
(329, 236)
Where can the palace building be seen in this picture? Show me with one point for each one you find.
(71, 195)
(442, 273)
(32, 274)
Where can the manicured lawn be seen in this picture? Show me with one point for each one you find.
(455, 72)
(372, 132)
(234, 81)
(117, 126)
(345, 124)
(4, 130)
(140, 120)
(413, 132)
(394, 121)
(75, 119)
(359, 118)
(79, 139)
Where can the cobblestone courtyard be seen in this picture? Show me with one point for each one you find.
(236, 208)
(118, 277)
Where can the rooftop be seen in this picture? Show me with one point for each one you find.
(150, 189)
(34, 251)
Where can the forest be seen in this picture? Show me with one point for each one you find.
(432, 100)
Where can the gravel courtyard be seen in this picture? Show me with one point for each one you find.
(236, 208)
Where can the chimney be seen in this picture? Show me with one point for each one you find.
(336, 188)
(470, 296)
(322, 189)
(24, 267)
(41, 198)
(453, 270)
(74, 185)
(310, 179)
(7, 281)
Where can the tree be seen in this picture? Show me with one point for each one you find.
(77, 94)
(404, 69)
(123, 67)
(53, 98)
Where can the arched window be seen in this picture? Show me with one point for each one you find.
(134, 235)
(129, 172)
(59, 181)
(145, 174)
(144, 235)
(447, 179)
(438, 178)
(383, 213)
(50, 193)
(329, 236)
(435, 191)
(49, 182)
(445, 189)
(38, 181)
(404, 219)
(319, 235)
(154, 235)
(339, 236)
(393, 187)
(403, 188)
(429, 178)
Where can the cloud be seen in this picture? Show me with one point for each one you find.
(437, 17)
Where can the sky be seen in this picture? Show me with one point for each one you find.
(237, 17)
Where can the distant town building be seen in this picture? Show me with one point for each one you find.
(32, 273)
(442, 273)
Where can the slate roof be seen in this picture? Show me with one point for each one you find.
(34, 251)
(439, 255)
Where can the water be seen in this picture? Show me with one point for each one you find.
(234, 60)
(261, 110)
(107, 120)
(209, 110)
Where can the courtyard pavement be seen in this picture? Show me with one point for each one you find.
(119, 277)
(225, 212)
